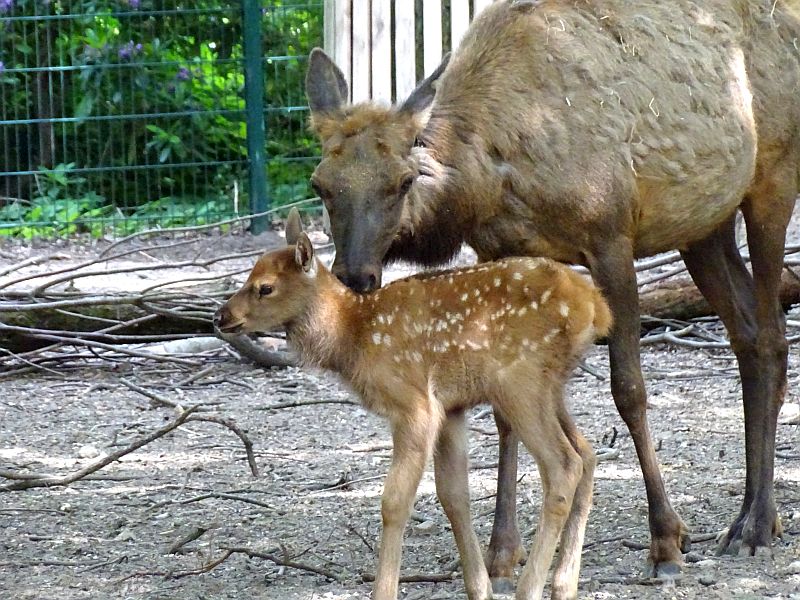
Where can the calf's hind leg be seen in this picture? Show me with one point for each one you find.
(565, 577)
(560, 469)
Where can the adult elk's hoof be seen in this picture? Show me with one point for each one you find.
(665, 561)
(746, 538)
(664, 571)
(500, 563)
(502, 585)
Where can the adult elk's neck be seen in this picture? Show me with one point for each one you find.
(443, 205)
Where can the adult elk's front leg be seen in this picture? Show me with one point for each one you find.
(612, 269)
(505, 546)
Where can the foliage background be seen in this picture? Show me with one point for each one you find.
(119, 114)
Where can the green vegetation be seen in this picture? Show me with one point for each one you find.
(121, 114)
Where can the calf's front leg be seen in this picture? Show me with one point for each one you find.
(452, 487)
(413, 438)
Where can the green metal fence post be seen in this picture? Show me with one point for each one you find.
(254, 111)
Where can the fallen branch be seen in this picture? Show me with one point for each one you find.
(256, 353)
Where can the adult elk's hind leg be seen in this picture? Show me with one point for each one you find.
(750, 309)
(505, 546)
(612, 269)
(767, 212)
(717, 268)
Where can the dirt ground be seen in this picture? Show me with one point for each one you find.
(108, 537)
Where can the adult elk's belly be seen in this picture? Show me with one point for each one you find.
(673, 217)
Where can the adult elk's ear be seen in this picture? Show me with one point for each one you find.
(422, 96)
(304, 253)
(326, 87)
(293, 226)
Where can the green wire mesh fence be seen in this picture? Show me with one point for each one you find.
(117, 115)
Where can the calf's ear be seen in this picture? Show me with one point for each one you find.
(293, 226)
(304, 253)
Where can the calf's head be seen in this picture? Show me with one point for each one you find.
(278, 290)
(367, 168)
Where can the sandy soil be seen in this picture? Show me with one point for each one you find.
(108, 537)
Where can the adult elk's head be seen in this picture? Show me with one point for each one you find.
(367, 169)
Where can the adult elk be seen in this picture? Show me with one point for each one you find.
(421, 351)
(594, 133)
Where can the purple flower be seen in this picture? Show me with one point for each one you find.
(2, 66)
(183, 74)
(129, 50)
(134, 4)
(6, 6)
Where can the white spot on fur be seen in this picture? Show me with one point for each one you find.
(464, 297)
(376, 338)
(472, 345)
(522, 311)
(546, 295)
(517, 275)
(550, 335)
(496, 282)
(563, 309)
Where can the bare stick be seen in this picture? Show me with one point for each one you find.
(416, 577)
(34, 260)
(99, 464)
(227, 496)
(209, 225)
(305, 403)
(286, 562)
(102, 346)
(248, 445)
(156, 398)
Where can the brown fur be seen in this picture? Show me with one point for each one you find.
(422, 350)
(594, 133)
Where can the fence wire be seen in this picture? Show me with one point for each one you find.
(117, 115)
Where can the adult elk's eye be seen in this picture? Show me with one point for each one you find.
(405, 186)
(264, 290)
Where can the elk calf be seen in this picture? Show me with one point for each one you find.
(422, 350)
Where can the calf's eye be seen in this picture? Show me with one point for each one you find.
(264, 290)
